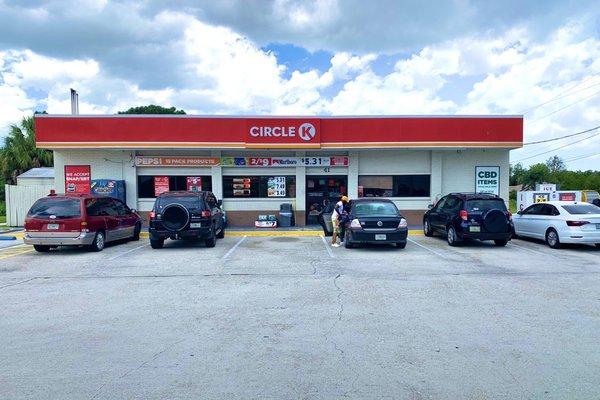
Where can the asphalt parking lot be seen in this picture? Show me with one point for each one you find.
(290, 317)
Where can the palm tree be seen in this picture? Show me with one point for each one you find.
(19, 154)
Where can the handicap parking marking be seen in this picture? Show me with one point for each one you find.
(235, 246)
(327, 247)
(14, 251)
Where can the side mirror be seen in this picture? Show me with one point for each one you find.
(430, 206)
(133, 210)
(519, 212)
(219, 203)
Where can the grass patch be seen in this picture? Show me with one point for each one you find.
(2, 219)
(512, 205)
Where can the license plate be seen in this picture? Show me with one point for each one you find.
(474, 229)
(196, 225)
(380, 237)
(52, 226)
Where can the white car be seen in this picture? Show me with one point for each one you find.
(559, 222)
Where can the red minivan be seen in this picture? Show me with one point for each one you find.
(79, 220)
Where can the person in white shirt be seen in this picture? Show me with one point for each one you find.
(338, 211)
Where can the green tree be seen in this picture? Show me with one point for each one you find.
(555, 164)
(19, 154)
(152, 109)
(517, 173)
(537, 173)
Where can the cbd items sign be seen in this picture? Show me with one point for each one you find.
(487, 180)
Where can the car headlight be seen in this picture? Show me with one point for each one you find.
(355, 223)
(403, 223)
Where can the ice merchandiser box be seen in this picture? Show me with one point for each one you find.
(109, 188)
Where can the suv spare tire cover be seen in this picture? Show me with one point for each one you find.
(175, 217)
(494, 221)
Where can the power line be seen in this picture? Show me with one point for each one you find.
(582, 157)
(562, 137)
(562, 108)
(563, 94)
(560, 147)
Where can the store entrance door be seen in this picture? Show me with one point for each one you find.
(322, 190)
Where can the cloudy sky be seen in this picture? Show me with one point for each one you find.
(329, 57)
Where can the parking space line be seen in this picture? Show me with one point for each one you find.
(235, 246)
(528, 249)
(14, 251)
(428, 249)
(327, 247)
(128, 251)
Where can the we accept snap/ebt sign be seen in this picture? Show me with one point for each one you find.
(284, 133)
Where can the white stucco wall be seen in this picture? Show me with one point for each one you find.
(458, 169)
(104, 164)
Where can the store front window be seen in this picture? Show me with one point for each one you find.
(268, 186)
(149, 186)
(394, 185)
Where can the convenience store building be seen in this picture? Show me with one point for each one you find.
(257, 163)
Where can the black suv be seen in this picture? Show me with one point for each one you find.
(188, 216)
(461, 216)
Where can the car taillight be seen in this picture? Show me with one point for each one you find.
(509, 215)
(403, 223)
(83, 226)
(577, 223)
(355, 223)
(464, 215)
(152, 214)
(205, 214)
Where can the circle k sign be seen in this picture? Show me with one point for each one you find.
(284, 132)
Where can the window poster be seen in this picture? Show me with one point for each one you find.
(276, 186)
(193, 183)
(161, 185)
(242, 187)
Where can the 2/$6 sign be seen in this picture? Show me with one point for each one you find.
(487, 180)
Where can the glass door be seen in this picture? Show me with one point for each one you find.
(321, 191)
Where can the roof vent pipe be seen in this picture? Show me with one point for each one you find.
(74, 102)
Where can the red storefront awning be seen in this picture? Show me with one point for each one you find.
(214, 132)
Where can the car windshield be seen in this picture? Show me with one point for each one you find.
(191, 202)
(60, 208)
(578, 209)
(480, 205)
(375, 208)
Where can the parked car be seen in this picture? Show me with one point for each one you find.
(375, 220)
(462, 216)
(79, 220)
(559, 222)
(187, 216)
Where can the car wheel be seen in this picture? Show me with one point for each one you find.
(427, 231)
(136, 232)
(99, 242)
(552, 239)
(157, 243)
(41, 248)
(212, 240)
(401, 245)
(451, 236)
(500, 242)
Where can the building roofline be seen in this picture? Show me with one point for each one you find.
(432, 116)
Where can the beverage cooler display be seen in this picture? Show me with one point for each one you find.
(109, 188)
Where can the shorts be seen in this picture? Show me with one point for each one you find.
(335, 222)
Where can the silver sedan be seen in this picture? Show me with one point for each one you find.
(559, 222)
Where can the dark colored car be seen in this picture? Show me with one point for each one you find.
(79, 220)
(187, 216)
(375, 220)
(462, 216)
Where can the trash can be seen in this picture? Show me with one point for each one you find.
(286, 215)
